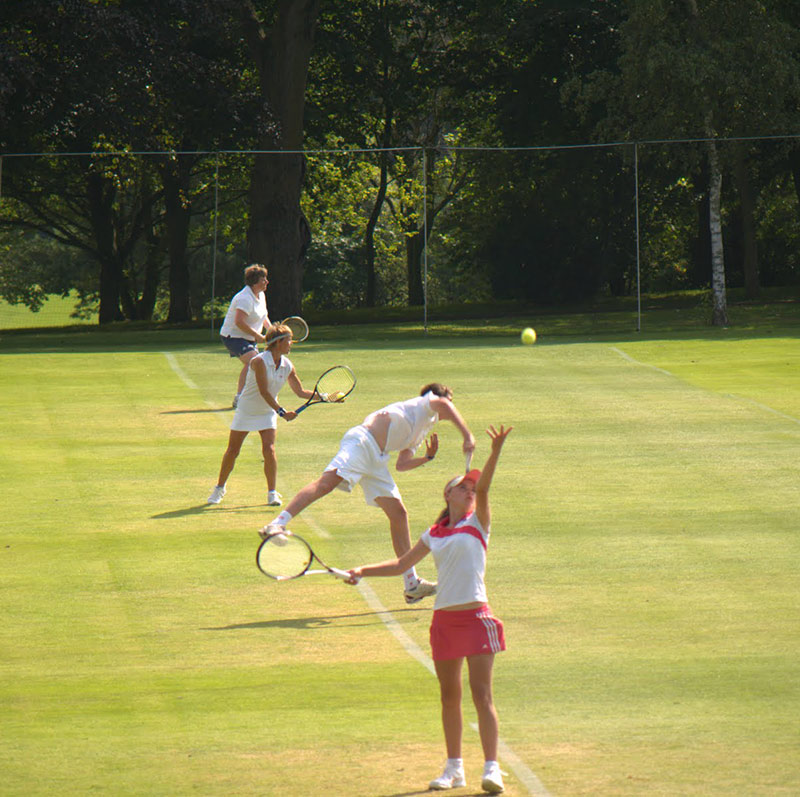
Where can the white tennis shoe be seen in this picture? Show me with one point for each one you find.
(422, 589)
(217, 494)
(274, 498)
(492, 779)
(449, 779)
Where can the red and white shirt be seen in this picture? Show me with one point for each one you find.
(460, 556)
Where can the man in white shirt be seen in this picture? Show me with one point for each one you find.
(363, 458)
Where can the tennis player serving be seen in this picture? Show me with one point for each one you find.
(463, 626)
(363, 458)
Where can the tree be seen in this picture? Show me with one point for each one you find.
(688, 71)
(279, 235)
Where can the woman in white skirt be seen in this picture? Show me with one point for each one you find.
(258, 410)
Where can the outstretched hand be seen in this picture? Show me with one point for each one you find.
(498, 437)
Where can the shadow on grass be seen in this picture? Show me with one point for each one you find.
(207, 508)
(191, 412)
(312, 622)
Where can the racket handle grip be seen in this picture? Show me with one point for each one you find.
(343, 574)
(300, 409)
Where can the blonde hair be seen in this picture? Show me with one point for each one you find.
(277, 332)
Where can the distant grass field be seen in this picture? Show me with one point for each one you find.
(55, 312)
(644, 561)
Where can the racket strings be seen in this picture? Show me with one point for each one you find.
(338, 380)
(298, 327)
(284, 556)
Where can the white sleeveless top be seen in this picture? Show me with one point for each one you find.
(409, 422)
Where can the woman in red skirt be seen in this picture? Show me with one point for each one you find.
(463, 626)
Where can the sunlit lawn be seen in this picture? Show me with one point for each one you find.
(644, 560)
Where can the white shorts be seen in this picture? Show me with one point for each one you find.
(254, 422)
(360, 461)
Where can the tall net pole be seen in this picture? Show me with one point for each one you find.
(638, 256)
(214, 250)
(424, 242)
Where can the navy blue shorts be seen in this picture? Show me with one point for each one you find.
(239, 346)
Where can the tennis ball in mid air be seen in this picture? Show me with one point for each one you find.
(528, 336)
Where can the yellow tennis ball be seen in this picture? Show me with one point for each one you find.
(528, 336)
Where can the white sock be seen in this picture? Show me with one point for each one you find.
(410, 578)
(489, 765)
(455, 763)
(283, 519)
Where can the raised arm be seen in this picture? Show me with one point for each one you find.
(482, 509)
(447, 412)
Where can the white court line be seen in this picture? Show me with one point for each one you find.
(758, 404)
(521, 771)
(182, 375)
(523, 774)
(636, 362)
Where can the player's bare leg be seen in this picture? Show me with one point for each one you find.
(449, 674)
(415, 588)
(270, 457)
(235, 440)
(308, 495)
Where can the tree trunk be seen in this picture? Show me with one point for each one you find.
(415, 245)
(152, 276)
(719, 316)
(369, 234)
(100, 196)
(175, 179)
(278, 235)
(415, 241)
(747, 205)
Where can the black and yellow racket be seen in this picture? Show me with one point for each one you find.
(284, 556)
(333, 387)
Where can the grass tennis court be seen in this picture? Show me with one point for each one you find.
(644, 562)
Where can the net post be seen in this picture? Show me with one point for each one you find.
(214, 249)
(424, 241)
(638, 249)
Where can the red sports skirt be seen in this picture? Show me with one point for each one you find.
(470, 632)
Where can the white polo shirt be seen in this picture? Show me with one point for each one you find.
(255, 307)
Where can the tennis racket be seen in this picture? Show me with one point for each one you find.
(334, 385)
(284, 556)
(298, 326)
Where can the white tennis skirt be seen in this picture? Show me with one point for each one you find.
(254, 422)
